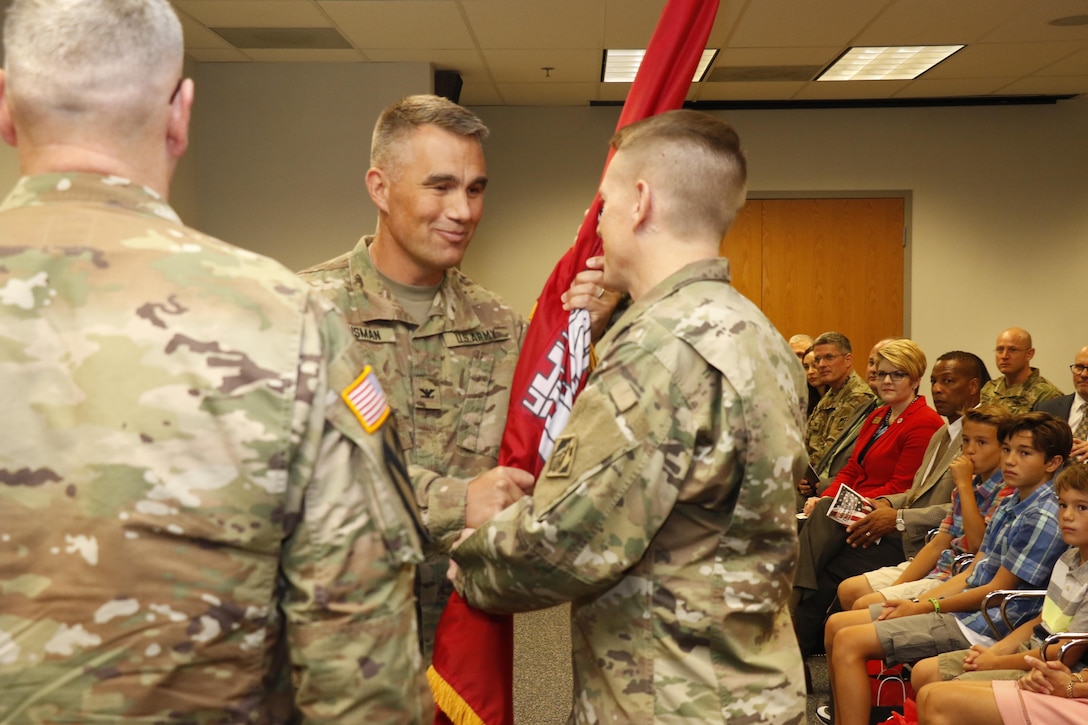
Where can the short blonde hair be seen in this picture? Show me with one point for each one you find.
(905, 355)
(399, 120)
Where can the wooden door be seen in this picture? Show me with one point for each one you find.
(814, 265)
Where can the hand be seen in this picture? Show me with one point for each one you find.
(1049, 677)
(1080, 450)
(587, 292)
(490, 493)
(454, 570)
(895, 608)
(866, 531)
(805, 488)
(979, 658)
(963, 471)
(810, 504)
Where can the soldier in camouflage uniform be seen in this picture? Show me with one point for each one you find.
(444, 347)
(665, 513)
(846, 393)
(1020, 386)
(202, 498)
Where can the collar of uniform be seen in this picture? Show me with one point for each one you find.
(715, 270)
(78, 187)
(458, 314)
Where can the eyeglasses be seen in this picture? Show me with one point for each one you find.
(1009, 350)
(1078, 369)
(820, 358)
(895, 375)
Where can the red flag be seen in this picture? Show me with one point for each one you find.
(472, 670)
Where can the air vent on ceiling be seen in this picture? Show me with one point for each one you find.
(283, 38)
(763, 73)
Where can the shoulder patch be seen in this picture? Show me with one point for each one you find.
(562, 459)
(366, 399)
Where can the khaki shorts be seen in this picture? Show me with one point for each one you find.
(909, 590)
(885, 576)
(950, 667)
(908, 639)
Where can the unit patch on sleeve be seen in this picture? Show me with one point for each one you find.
(367, 400)
(562, 460)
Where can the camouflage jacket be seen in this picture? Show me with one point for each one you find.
(833, 414)
(1019, 398)
(665, 514)
(186, 499)
(448, 381)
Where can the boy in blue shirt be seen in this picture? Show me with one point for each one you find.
(1019, 550)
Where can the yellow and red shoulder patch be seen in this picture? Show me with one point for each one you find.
(366, 399)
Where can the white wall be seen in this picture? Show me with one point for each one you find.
(283, 151)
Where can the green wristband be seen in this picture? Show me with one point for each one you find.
(936, 605)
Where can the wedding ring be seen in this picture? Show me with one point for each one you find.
(868, 533)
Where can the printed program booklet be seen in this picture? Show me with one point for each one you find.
(849, 506)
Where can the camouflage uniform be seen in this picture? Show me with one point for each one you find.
(833, 414)
(665, 514)
(186, 498)
(448, 381)
(1019, 398)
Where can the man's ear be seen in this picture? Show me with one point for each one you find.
(975, 385)
(7, 125)
(177, 122)
(644, 204)
(377, 185)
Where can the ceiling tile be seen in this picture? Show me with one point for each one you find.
(405, 24)
(936, 22)
(788, 23)
(926, 87)
(1032, 22)
(525, 66)
(630, 23)
(1048, 85)
(548, 94)
(254, 13)
(1073, 65)
(733, 57)
(466, 62)
(833, 90)
(749, 91)
(217, 55)
(993, 60)
(198, 36)
(524, 24)
(303, 55)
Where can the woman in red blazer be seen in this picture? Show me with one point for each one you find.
(893, 439)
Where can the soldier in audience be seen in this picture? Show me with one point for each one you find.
(1020, 386)
(846, 394)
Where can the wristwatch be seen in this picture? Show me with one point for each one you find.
(900, 524)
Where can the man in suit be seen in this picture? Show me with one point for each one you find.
(1073, 408)
(896, 529)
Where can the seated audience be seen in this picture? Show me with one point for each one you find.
(894, 437)
(1019, 551)
(846, 392)
(838, 454)
(979, 488)
(1048, 693)
(1065, 608)
(1020, 386)
(1073, 407)
(896, 528)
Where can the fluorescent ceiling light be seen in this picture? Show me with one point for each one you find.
(620, 66)
(896, 63)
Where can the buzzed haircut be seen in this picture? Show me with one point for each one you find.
(411, 112)
(1049, 436)
(972, 362)
(834, 338)
(698, 160)
(84, 61)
